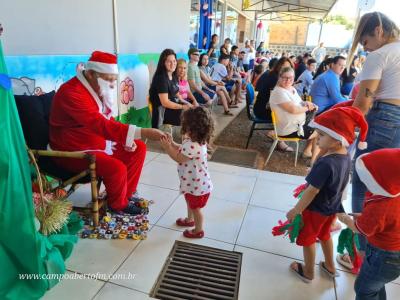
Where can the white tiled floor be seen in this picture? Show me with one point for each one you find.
(244, 206)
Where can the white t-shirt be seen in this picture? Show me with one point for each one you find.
(384, 64)
(286, 122)
(218, 72)
(193, 174)
(319, 53)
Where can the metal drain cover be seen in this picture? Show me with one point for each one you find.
(198, 272)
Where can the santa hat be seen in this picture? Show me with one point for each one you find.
(379, 171)
(340, 123)
(102, 62)
(343, 104)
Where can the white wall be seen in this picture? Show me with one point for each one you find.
(51, 27)
(56, 26)
(149, 26)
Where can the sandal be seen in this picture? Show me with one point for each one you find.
(193, 235)
(345, 261)
(228, 113)
(327, 272)
(285, 148)
(299, 272)
(184, 222)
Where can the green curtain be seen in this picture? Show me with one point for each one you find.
(22, 249)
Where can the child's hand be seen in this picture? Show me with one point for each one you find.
(291, 214)
(165, 142)
(341, 216)
(169, 137)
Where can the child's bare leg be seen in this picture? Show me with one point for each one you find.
(189, 213)
(237, 92)
(223, 100)
(232, 94)
(309, 260)
(228, 98)
(198, 220)
(327, 248)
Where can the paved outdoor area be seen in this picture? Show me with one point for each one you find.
(245, 205)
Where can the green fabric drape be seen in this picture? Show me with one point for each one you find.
(22, 249)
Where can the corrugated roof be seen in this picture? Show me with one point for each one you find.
(289, 10)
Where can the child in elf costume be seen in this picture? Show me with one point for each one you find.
(379, 222)
(326, 181)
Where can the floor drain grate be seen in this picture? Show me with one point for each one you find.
(198, 272)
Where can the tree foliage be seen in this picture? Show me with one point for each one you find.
(340, 20)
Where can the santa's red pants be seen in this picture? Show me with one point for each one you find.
(120, 172)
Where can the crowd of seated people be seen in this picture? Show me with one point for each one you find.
(222, 73)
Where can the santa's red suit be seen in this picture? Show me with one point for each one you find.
(80, 121)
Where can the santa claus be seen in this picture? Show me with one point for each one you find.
(81, 120)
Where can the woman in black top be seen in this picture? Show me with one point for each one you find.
(324, 66)
(164, 91)
(348, 78)
(301, 67)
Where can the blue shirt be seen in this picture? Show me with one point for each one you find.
(306, 79)
(325, 91)
(330, 174)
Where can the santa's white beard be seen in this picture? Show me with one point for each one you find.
(108, 98)
(106, 93)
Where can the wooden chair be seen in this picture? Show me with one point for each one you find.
(34, 112)
(281, 139)
(251, 116)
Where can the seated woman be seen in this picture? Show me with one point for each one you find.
(293, 114)
(185, 95)
(164, 90)
(217, 86)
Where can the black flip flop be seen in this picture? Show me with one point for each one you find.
(300, 273)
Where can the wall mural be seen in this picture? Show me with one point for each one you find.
(34, 75)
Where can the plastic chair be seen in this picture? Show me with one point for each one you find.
(281, 139)
(251, 116)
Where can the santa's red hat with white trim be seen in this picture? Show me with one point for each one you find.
(102, 62)
(379, 171)
(340, 123)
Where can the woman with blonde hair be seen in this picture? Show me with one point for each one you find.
(378, 98)
(185, 94)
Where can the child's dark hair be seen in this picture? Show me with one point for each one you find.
(198, 124)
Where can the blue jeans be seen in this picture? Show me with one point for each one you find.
(379, 267)
(384, 132)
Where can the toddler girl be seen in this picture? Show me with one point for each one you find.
(191, 156)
